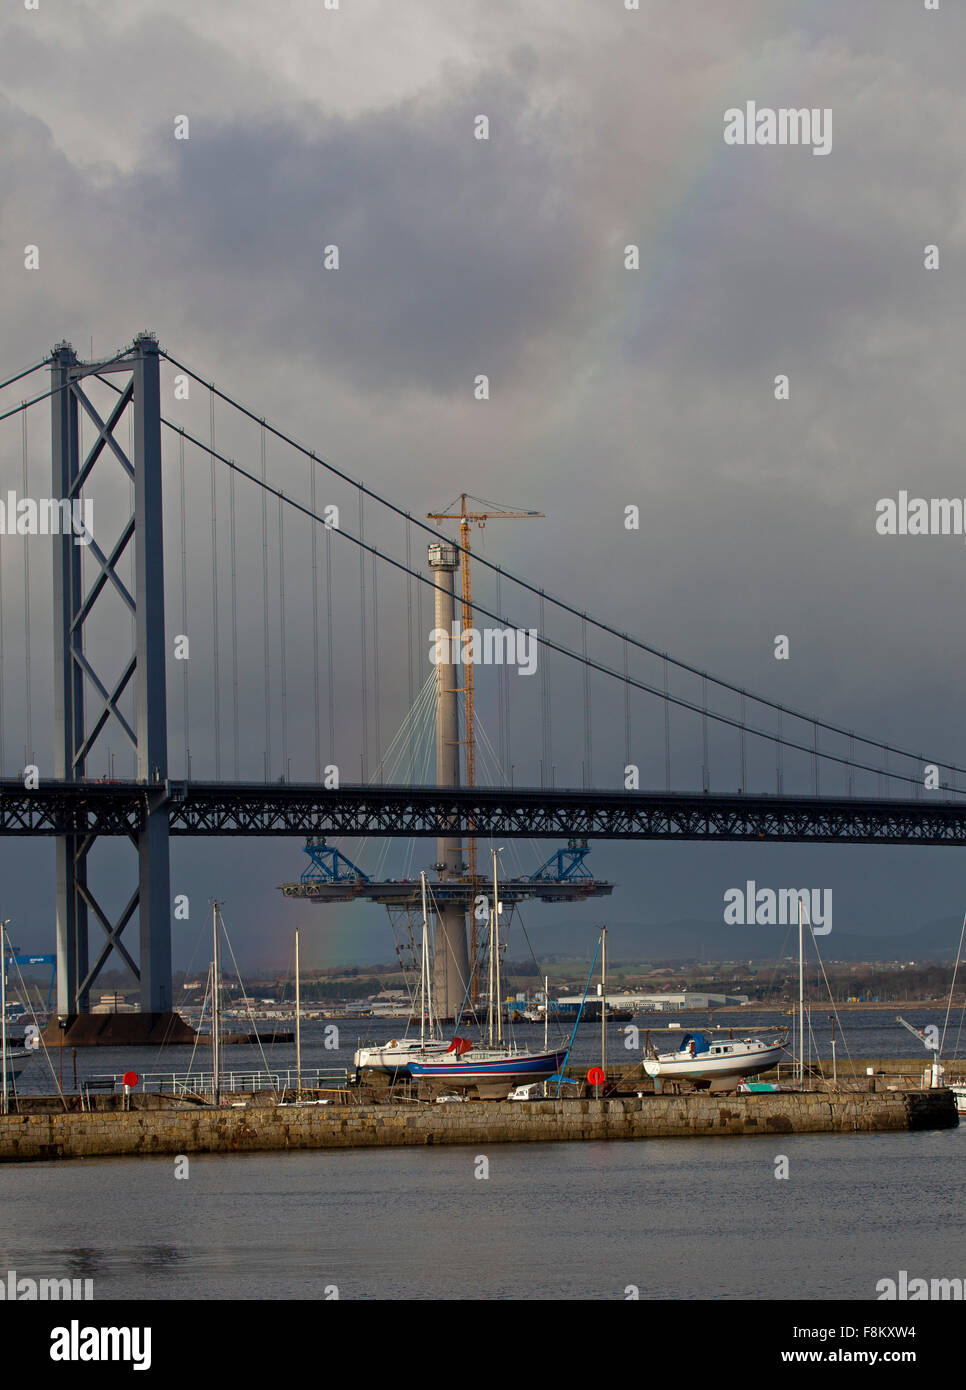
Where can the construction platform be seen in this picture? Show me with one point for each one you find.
(332, 878)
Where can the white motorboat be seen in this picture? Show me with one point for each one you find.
(702, 1057)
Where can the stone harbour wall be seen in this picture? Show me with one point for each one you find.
(25, 1138)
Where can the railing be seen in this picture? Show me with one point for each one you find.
(203, 1083)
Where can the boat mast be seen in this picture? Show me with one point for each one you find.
(3, 1008)
(603, 1000)
(489, 993)
(424, 968)
(215, 1019)
(496, 929)
(298, 1023)
(546, 1010)
(801, 998)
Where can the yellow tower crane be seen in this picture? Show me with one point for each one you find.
(465, 517)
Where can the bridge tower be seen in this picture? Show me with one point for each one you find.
(84, 705)
(451, 963)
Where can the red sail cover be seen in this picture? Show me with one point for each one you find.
(459, 1046)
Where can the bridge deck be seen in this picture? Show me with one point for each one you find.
(258, 808)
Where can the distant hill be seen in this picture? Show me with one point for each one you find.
(690, 939)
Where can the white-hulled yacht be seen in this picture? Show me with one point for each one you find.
(702, 1057)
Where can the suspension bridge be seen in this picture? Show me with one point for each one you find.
(223, 624)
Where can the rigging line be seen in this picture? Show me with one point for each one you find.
(424, 713)
(184, 613)
(315, 630)
(949, 1002)
(28, 750)
(214, 589)
(680, 701)
(828, 987)
(267, 754)
(281, 630)
(533, 589)
(248, 1005)
(362, 645)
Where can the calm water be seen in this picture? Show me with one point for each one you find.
(682, 1219)
(873, 1034)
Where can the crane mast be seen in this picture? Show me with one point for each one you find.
(465, 517)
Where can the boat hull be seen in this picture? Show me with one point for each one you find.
(707, 1066)
(470, 1071)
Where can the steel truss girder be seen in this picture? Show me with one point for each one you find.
(248, 809)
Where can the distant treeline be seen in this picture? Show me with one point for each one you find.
(359, 988)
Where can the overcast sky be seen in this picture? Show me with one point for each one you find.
(608, 386)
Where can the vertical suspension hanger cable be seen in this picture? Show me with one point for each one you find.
(28, 745)
(850, 770)
(779, 748)
(364, 704)
(234, 624)
(184, 610)
(815, 769)
(504, 758)
(410, 652)
(741, 742)
(705, 768)
(377, 726)
(214, 587)
(331, 671)
(545, 700)
(588, 775)
(667, 730)
(3, 745)
(315, 625)
(266, 640)
(508, 764)
(281, 630)
(131, 552)
(627, 712)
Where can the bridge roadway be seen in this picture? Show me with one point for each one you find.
(271, 808)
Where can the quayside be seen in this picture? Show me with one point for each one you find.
(33, 1137)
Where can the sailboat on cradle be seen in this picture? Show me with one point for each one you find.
(394, 1057)
(462, 1064)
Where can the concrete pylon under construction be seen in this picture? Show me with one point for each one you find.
(451, 962)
